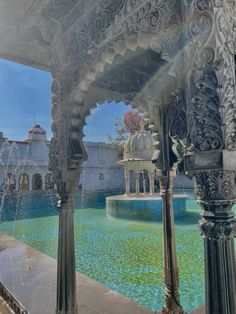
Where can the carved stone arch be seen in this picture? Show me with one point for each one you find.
(120, 49)
(76, 66)
(148, 43)
(141, 102)
(81, 50)
(87, 109)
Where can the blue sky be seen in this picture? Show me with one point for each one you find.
(25, 99)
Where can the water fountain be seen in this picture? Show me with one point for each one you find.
(26, 184)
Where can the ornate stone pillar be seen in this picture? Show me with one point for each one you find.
(17, 182)
(151, 183)
(137, 188)
(211, 140)
(30, 182)
(127, 181)
(43, 182)
(216, 193)
(171, 278)
(66, 272)
(144, 183)
(165, 161)
(66, 155)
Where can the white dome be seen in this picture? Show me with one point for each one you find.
(139, 146)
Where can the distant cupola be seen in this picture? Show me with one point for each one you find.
(37, 133)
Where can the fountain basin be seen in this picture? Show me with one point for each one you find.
(142, 207)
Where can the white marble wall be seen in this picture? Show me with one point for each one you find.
(100, 172)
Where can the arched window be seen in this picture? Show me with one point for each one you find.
(24, 182)
(144, 183)
(49, 184)
(37, 182)
(10, 182)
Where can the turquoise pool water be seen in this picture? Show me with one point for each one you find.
(124, 255)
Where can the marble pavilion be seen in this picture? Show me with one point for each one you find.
(139, 170)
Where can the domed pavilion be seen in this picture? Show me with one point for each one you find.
(139, 171)
(140, 200)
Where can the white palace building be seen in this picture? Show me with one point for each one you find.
(24, 165)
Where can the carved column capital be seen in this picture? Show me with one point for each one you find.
(215, 186)
(210, 75)
(216, 230)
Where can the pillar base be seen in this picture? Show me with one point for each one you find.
(73, 311)
(177, 310)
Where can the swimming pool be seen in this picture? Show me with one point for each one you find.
(124, 255)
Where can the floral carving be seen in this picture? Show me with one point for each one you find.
(178, 129)
(132, 4)
(216, 230)
(215, 185)
(202, 4)
(205, 119)
(205, 56)
(81, 42)
(53, 158)
(204, 115)
(76, 147)
(53, 147)
(225, 38)
(201, 24)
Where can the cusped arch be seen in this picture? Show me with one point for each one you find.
(156, 41)
(24, 182)
(88, 111)
(37, 182)
(148, 43)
